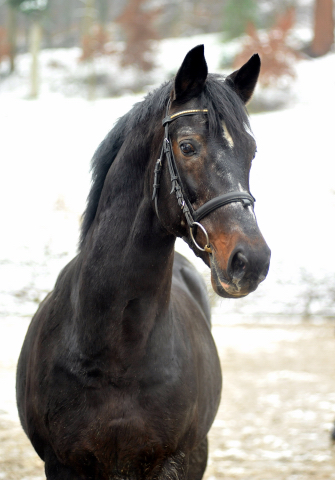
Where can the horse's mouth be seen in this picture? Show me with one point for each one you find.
(226, 289)
(232, 289)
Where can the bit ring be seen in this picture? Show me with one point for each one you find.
(207, 248)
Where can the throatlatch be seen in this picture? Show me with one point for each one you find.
(192, 216)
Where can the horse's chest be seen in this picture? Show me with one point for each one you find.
(120, 423)
(124, 440)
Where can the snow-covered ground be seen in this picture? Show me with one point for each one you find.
(45, 151)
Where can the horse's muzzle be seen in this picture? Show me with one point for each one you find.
(245, 269)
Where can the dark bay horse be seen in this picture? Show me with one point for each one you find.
(118, 376)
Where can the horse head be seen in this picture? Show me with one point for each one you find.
(210, 148)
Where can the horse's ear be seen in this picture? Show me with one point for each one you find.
(244, 80)
(191, 76)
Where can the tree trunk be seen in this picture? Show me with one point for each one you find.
(323, 28)
(35, 43)
(89, 14)
(87, 24)
(12, 32)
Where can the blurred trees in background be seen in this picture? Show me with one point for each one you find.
(277, 55)
(34, 9)
(237, 15)
(138, 23)
(129, 29)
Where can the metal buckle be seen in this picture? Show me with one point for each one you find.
(207, 248)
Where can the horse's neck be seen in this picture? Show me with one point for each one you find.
(126, 266)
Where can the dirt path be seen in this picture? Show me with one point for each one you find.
(276, 413)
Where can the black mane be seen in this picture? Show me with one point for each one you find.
(218, 97)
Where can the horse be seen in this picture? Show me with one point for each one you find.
(119, 376)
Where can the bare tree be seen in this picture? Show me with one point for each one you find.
(35, 46)
(34, 9)
(278, 57)
(138, 25)
(12, 34)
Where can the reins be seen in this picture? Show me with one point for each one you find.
(192, 216)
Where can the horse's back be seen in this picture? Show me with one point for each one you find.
(186, 276)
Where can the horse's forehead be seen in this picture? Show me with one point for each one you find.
(198, 120)
(188, 130)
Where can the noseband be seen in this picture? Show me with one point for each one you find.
(192, 216)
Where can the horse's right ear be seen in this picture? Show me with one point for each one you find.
(244, 80)
(191, 76)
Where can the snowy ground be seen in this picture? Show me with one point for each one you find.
(45, 151)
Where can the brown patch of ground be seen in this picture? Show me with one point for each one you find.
(278, 403)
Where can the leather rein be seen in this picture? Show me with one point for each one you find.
(192, 216)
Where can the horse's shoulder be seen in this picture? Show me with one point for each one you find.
(186, 276)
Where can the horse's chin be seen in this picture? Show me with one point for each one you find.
(227, 291)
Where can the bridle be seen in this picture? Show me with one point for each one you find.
(192, 216)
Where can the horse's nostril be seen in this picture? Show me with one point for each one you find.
(238, 267)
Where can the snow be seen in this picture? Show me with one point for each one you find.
(46, 147)
(12, 331)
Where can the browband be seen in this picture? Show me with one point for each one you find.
(170, 118)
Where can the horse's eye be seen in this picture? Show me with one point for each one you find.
(187, 149)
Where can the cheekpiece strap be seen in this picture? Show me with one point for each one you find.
(176, 183)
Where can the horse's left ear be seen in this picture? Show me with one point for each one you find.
(244, 80)
(191, 76)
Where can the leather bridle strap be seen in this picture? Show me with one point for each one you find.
(222, 200)
(192, 216)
